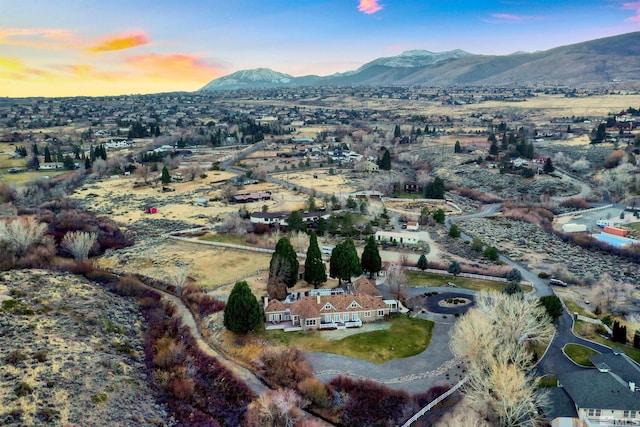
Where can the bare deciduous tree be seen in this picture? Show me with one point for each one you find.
(142, 172)
(79, 243)
(299, 240)
(178, 278)
(463, 415)
(493, 339)
(397, 279)
(22, 232)
(233, 223)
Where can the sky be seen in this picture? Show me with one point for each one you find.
(120, 47)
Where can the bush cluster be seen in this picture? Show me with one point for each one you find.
(198, 390)
(284, 367)
(368, 403)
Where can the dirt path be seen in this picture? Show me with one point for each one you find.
(242, 373)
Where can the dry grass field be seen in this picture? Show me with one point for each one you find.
(73, 354)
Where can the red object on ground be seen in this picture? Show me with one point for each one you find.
(615, 230)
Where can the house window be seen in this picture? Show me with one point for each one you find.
(593, 412)
(354, 316)
(327, 318)
(380, 312)
(367, 314)
(310, 322)
(629, 414)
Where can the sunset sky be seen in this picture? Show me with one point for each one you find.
(90, 47)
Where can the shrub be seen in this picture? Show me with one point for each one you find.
(15, 356)
(129, 286)
(368, 403)
(23, 389)
(315, 391)
(577, 203)
(284, 367)
(41, 356)
(99, 398)
(544, 275)
(101, 276)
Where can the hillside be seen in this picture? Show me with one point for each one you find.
(606, 60)
(71, 354)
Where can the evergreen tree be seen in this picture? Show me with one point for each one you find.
(457, 148)
(344, 262)
(33, 163)
(385, 163)
(512, 288)
(322, 226)
(242, 312)
(397, 133)
(371, 261)
(548, 166)
(47, 155)
(295, 222)
(454, 231)
(87, 163)
(553, 305)
(34, 149)
(434, 189)
(59, 156)
(68, 163)
(530, 152)
(284, 263)
(314, 269)
(166, 178)
(423, 264)
(493, 149)
(454, 268)
(491, 253)
(514, 276)
(439, 216)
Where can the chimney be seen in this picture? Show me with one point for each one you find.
(318, 299)
(632, 386)
(265, 301)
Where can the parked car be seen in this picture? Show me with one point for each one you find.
(558, 282)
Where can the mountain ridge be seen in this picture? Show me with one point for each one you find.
(598, 61)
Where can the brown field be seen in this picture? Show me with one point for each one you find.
(330, 184)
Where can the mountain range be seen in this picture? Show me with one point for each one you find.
(611, 59)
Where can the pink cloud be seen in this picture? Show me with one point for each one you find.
(500, 18)
(42, 38)
(369, 6)
(635, 6)
(180, 67)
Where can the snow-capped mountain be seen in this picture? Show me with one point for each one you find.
(598, 61)
(258, 77)
(417, 58)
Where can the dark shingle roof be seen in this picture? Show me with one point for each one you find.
(602, 390)
(619, 364)
(559, 404)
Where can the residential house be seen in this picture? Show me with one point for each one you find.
(401, 238)
(281, 218)
(605, 396)
(329, 308)
(250, 197)
(413, 226)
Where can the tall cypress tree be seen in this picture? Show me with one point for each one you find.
(166, 178)
(371, 261)
(385, 163)
(314, 269)
(47, 155)
(242, 312)
(284, 263)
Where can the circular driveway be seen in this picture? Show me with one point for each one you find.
(432, 303)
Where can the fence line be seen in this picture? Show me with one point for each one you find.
(439, 399)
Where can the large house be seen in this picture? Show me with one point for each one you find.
(605, 396)
(326, 309)
(281, 218)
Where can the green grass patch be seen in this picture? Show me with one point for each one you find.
(408, 196)
(632, 352)
(574, 307)
(547, 381)
(415, 278)
(224, 238)
(579, 354)
(634, 226)
(405, 337)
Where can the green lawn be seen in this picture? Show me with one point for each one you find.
(405, 337)
(632, 352)
(579, 354)
(547, 381)
(574, 307)
(634, 226)
(415, 278)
